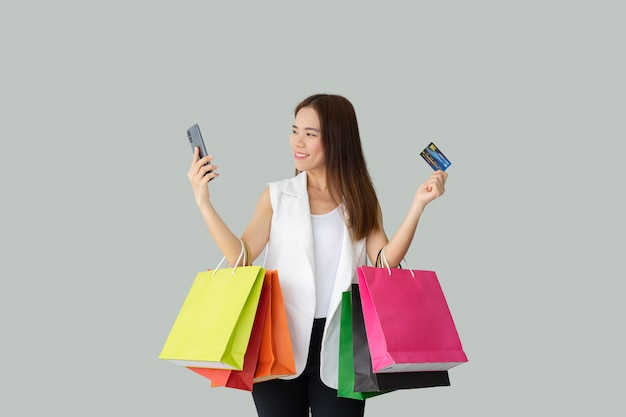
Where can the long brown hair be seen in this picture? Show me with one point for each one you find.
(346, 170)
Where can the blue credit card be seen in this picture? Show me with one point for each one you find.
(435, 158)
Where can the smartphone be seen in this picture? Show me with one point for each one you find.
(195, 140)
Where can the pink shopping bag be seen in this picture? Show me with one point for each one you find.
(407, 320)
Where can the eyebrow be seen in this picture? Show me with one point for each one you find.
(306, 128)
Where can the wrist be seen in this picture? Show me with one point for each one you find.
(418, 206)
(204, 204)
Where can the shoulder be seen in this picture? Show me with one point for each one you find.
(294, 185)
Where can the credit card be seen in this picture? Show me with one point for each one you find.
(435, 158)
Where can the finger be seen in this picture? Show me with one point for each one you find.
(439, 174)
(436, 182)
(438, 178)
(199, 163)
(194, 160)
(435, 186)
(207, 168)
(206, 160)
(206, 173)
(209, 176)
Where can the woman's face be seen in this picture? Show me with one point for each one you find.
(306, 141)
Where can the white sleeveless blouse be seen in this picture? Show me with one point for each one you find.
(328, 230)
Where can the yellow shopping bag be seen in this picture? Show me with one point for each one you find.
(213, 326)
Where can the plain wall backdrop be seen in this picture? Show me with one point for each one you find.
(100, 237)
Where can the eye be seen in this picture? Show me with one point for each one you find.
(311, 134)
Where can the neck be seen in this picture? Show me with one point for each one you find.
(316, 181)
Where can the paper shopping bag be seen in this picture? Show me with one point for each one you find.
(365, 380)
(213, 326)
(243, 379)
(276, 354)
(346, 374)
(408, 322)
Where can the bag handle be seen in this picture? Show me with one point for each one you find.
(381, 262)
(245, 254)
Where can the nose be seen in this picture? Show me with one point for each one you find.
(296, 140)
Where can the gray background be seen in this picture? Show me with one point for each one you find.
(100, 237)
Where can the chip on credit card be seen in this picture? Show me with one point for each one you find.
(435, 158)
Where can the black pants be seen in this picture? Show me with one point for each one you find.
(294, 397)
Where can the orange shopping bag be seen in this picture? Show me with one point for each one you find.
(276, 353)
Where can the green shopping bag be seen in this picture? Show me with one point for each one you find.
(213, 326)
(346, 354)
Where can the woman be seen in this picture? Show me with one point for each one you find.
(318, 227)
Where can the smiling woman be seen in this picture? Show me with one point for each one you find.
(316, 228)
(306, 141)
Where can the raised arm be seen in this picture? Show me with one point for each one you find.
(398, 246)
(257, 232)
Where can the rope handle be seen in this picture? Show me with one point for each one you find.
(381, 262)
(245, 254)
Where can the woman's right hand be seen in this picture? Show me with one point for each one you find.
(199, 176)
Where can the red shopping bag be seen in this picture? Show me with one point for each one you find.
(243, 379)
(276, 353)
(408, 322)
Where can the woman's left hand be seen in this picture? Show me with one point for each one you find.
(432, 188)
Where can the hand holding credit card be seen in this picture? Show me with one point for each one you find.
(435, 158)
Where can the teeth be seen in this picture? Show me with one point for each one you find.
(301, 155)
